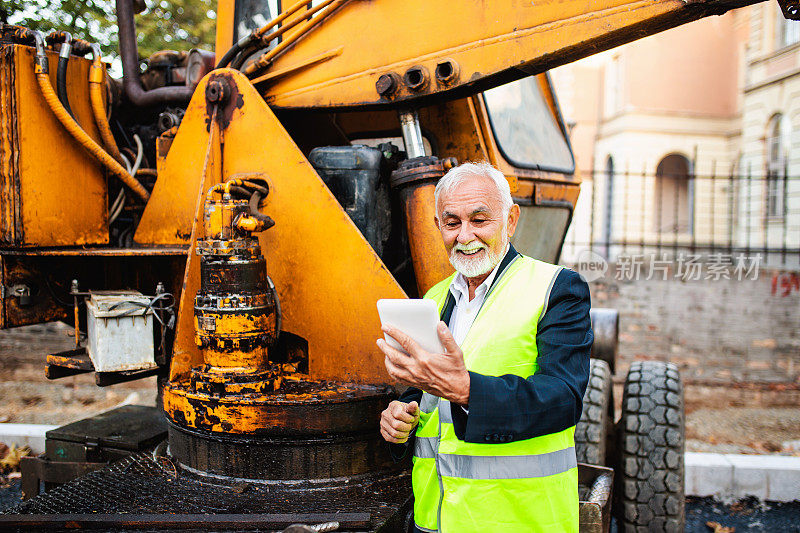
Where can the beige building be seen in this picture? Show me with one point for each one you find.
(673, 135)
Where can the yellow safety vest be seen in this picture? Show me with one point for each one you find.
(524, 485)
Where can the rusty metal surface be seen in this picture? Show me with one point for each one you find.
(44, 198)
(76, 359)
(416, 180)
(98, 252)
(322, 460)
(304, 262)
(9, 147)
(485, 44)
(299, 407)
(201, 522)
(144, 484)
(595, 485)
(50, 280)
(237, 318)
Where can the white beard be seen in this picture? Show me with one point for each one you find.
(471, 266)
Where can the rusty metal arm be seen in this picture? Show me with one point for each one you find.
(401, 53)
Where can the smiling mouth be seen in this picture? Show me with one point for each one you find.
(470, 252)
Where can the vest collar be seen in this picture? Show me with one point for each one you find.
(450, 301)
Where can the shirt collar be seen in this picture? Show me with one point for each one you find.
(460, 288)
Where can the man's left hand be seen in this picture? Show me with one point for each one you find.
(441, 374)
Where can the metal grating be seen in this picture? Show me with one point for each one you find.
(142, 484)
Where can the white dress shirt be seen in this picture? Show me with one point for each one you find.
(466, 310)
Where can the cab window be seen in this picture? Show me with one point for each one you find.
(527, 132)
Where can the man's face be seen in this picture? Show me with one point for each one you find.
(474, 228)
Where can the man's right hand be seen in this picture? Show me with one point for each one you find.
(398, 421)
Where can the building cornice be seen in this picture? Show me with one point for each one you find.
(786, 50)
(671, 124)
(772, 81)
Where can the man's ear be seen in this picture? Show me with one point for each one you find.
(436, 221)
(513, 218)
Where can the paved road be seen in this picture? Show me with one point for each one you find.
(749, 514)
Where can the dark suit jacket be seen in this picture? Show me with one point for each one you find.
(508, 408)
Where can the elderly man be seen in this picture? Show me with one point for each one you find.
(495, 414)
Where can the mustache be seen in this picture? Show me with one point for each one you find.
(468, 247)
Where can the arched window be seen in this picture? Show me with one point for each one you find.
(672, 199)
(778, 132)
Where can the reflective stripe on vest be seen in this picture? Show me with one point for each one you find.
(522, 485)
(507, 466)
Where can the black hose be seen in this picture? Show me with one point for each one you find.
(242, 57)
(240, 191)
(65, 38)
(258, 215)
(61, 83)
(229, 55)
(263, 189)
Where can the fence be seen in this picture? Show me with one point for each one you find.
(671, 251)
(675, 216)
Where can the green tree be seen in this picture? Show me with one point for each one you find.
(165, 25)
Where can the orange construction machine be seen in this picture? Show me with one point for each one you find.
(227, 222)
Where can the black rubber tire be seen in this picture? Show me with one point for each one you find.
(595, 428)
(649, 491)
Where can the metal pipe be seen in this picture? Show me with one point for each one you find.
(267, 57)
(412, 134)
(74, 290)
(97, 82)
(41, 69)
(130, 65)
(268, 38)
(248, 40)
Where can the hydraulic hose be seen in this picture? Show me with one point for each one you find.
(41, 70)
(326, 7)
(248, 40)
(234, 50)
(61, 72)
(97, 83)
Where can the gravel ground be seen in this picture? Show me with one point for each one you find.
(10, 493)
(743, 430)
(30, 398)
(749, 514)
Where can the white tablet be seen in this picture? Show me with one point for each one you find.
(415, 318)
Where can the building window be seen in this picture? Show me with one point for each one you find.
(673, 195)
(612, 88)
(608, 212)
(777, 156)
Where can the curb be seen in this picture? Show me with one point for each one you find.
(734, 476)
(31, 435)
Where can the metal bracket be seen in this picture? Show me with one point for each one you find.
(790, 9)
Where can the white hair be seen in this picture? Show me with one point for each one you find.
(457, 175)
